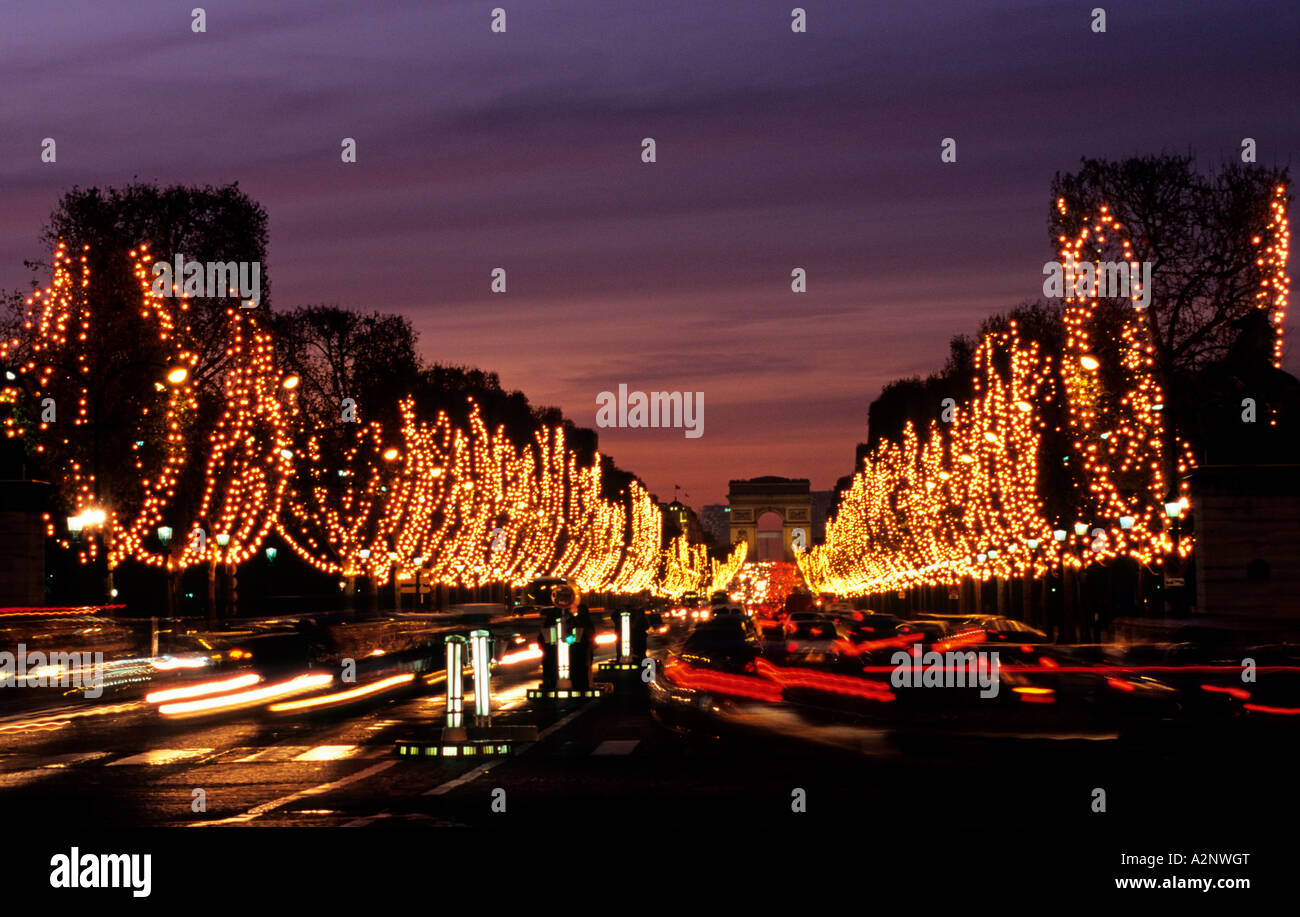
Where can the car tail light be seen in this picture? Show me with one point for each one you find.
(1238, 693)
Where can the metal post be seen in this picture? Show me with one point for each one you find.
(625, 631)
(482, 677)
(561, 655)
(456, 682)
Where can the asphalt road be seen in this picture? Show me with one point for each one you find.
(608, 771)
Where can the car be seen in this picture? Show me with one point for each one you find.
(723, 643)
(872, 627)
(719, 598)
(537, 594)
(796, 618)
(736, 612)
(811, 637)
(995, 627)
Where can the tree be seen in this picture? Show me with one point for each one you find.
(338, 354)
(1212, 240)
(166, 410)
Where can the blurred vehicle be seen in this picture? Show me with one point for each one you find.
(797, 617)
(537, 594)
(720, 598)
(798, 601)
(811, 637)
(870, 627)
(1217, 684)
(995, 627)
(721, 643)
(733, 611)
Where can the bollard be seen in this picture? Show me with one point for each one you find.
(153, 636)
(456, 682)
(562, 655)
(482, 677)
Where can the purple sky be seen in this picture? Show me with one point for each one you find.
(522, 150)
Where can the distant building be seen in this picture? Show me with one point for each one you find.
(681, 517)
(716, 519)
(22, 542)
(1247, 520)
(823, 501)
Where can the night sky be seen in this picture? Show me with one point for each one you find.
(775, 150)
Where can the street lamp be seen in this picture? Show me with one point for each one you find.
(165, 534)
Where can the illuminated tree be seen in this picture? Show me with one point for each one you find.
(199, 448)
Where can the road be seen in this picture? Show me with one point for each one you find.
(605, 767)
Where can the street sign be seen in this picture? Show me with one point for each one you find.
(1171, 581)
(562, 596)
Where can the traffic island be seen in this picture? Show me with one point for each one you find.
(600, 689)
(468, 742)
(611, 666)
(456, 739)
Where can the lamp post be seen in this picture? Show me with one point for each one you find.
(165, 539)
(91, 518)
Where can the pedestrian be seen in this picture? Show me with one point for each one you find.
(550, 652)
(639, 627)
(584, 646)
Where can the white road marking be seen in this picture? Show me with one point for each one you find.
(76, 757)
(21, 778)
(328, 753)
(273, 753)
(463, 778)
(362, 822)
(160, 756)
(560, 724)
(616, 747)
(260, 810)
(484, 768)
